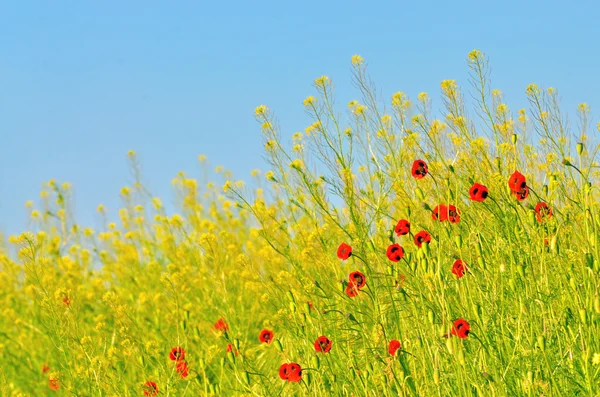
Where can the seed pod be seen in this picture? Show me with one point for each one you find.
(511, 283)
(293, 307)
(478, 248)
(290, 296)
(431, 317)
(436, 376)
(308, 377)
(530, 377)
(461, 356)
(236, 343)
(424, 265)
(211, 388)
(521, 270)
(306, 308)
(450, 345)
(597, 304)
(231, 356)
(246, 377)
(579, 148)
(481, 262)
(554, 245)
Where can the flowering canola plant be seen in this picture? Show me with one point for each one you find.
(388, 251)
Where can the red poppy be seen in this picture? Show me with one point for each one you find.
(265, 336)
(53, 384)
(45, 368)
(521, 194)
(150, 389)
(402, 227)
(395, 252)
(422, 237)
(542, 211)
(221, 325)
(419, 169)
(478, 192)
(177, 354)
(517, 181)
(322, 344)
(394, 345)
(453, 214)
(461, 328)
(440, 212)
(351, 289)
(344, 251)
(230, 348)
(291, 372)
(182, 369)
(358, 279)
(459, 268)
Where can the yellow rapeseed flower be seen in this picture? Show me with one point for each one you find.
(357, 60)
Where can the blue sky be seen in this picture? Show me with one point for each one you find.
(81, 83)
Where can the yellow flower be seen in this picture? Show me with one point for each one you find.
(475, 56)
(100, 208)
(125, 191)
(227, 186)
(423, 97)
(322, 81)
(357, 60)
(131, 154)
(297, 164)
(270, 175)
(596, 359)
(309, 101)
(260, 110)
(202, 158)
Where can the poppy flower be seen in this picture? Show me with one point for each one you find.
(182, 369)
(440, 212)
(461, 328)
(517, 181)
(478, 192)
(150, 389)
(419, 169)
(402, 227)
(53, 384)
(358, 279)
(521, 194)
(45, 368)
(322, 344)
(230, 349)
(459, 268)
(542, 211)
(177, 354)
(265, 336)
(453, 214)
(394, 345)
(344, 251)
(422, 237)
(221, 325)
(395, 252)
(291, 372)
(351, 289)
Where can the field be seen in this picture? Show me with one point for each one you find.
(389, 250)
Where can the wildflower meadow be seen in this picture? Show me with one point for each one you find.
(392, 248)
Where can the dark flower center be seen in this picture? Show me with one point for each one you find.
(484, 194)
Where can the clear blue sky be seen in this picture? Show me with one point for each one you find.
(83, 82)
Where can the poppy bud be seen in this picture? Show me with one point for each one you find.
(459, 241)
(316, 363)
(589, 260)
(236, 343)
(545, 190)
(436, 376)
(572, 283)
(186, 314)
(306, 307)
(479, 249)
(531, 215)
(419, 194)
(579, 148)
(521, 270)
(514, 138)
(290, 296)
(308, 377)
(211, 388)
(447, 181)
(450, 345)
(278, 345)
(597, 304)
(566, 162)
(554, 245)
(481, 262)
(293, 307)
(424, 265)
(583, 316)
(223, 361)
(426, 249)
(246, 377)
(231, 356)
(431, 317)
(141, 359)
(530, 377)
(541, 341)
(408, 212)
(183, 324)
(511, 283)
(461, 356)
